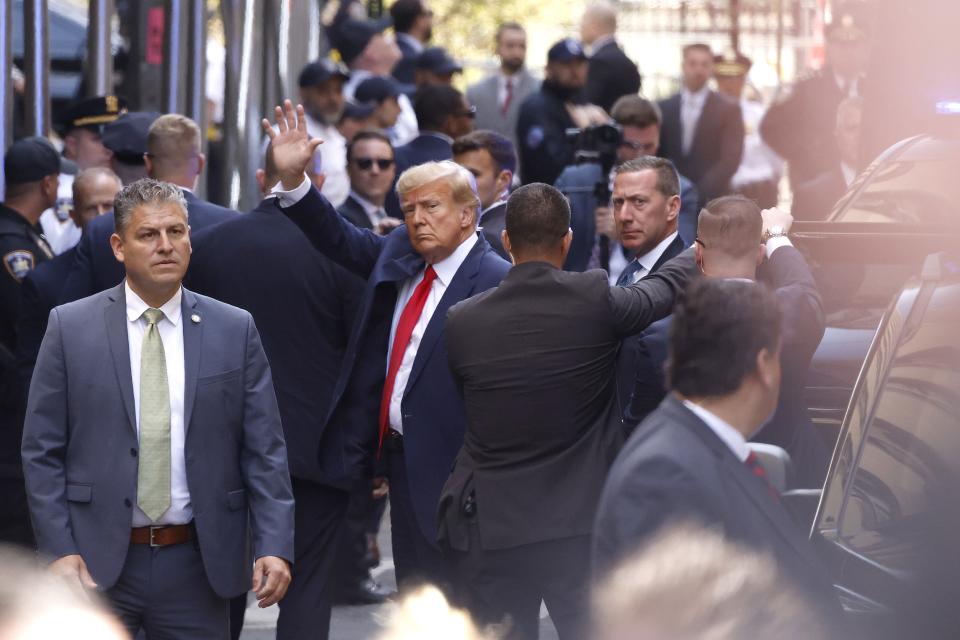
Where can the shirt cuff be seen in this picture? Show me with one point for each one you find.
(289, 198)
(772, 244)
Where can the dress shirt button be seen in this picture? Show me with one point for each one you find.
(127, 503)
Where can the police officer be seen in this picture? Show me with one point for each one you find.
(31, 167)
(546, 115)
(800, 124)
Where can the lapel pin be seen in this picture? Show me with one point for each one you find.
(196, 318)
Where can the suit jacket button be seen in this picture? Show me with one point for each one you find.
(127, 503)
(133, 452)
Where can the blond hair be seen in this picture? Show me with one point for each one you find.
(691, 583)
(462, 183)
(172, 141)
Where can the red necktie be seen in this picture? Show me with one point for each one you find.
(757, 468)
(508, 98)
(408, 320)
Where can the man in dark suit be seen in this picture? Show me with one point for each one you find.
(303, 306)
(734, 239)
(173, 155)
(534, 360)
(413, 25)
(611, 73)
(93, 192)
(492, 160)
(815, 199)
(690, 460)
(702, 130)
(413, 276)
(124, 493)
(372, 172)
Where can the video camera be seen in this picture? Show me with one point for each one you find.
(597, 143)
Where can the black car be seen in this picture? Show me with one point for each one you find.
(888, 518)
(902, 208)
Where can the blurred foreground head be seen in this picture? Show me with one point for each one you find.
(690, 584)
(36, 605)
(426, 615)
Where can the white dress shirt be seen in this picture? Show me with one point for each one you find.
(446, 269)
(333, 161)
(691, 107)
(374, 213)
(727, 434)
(760, 163)
(171, 334)
(647, 260)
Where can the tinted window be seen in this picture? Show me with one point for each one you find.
(923, 191)
(912, 445)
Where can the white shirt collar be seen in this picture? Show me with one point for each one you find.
(415, 44)
(650, 258)
(368, 207)
(694, 97)
(499, 201)
(730, 436)
(448, 267)
(136, 306)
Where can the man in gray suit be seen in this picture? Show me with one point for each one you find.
(499, 96)
(152, 438)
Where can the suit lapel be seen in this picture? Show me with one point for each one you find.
(116, 318)
(192, 342)
(460, 289)
(674, 249)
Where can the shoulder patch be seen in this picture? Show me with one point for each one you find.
(534, 137)
(19, 263)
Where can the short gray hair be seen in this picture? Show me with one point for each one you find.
(668, 180)
(144, 191)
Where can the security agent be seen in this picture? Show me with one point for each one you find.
(31, 167)
(126, 139)
(543, 146)
(383, 92)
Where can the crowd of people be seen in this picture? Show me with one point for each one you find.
(542, 353)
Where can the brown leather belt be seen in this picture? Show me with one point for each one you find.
(162, 536)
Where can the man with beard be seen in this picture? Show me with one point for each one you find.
(546, 115)
(321, 92)
(498, 96)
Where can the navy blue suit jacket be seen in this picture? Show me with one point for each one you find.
(434, 419)
(303, 305)
(95, 269)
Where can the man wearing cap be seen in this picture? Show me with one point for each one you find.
(498, 96)
(611, 74)
(321, 93)
(435, 66)
(82, 127)
(547, 114)
(758, 175)
(126, 139)
(383, 92)
(368, 52)
(799, 125)
(413, 24)
(31, 167)
(702, 132)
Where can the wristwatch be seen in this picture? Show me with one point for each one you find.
(776, 231)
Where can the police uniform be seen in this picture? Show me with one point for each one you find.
(800, 124)
(542, 125)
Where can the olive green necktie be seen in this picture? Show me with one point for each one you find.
(153, 478)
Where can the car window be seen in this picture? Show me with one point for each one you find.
(923, 192)
(910, 449)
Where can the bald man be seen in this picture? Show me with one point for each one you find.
(611, 74)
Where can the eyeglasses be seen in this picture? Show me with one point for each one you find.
(366, 163)
(468, 113)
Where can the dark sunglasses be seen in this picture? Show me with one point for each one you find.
(366, 163)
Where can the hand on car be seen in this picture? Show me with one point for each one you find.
(776, 218)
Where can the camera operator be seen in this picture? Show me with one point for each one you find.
(587, 185)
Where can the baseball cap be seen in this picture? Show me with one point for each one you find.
(30, 160)
(377, 89)
(351, 37)
(567, 50)
(126, 136)
(437, 60)
(319, 71)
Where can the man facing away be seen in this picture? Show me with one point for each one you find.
(690, 461)
(611, 74)
(534, 360)
(134, 390)
(397, 348)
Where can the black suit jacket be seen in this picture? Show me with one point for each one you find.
(717, 144)
(492, 223)
(534, 360)
(303, 305)
(355, 213)
(675, 468)
(801, 310)
(815, 199)
(95, 269)
(611, 75)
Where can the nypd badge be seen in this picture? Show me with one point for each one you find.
(18, 263)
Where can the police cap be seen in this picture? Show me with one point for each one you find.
(30, 160)
(126, 136)
(731, 64)
(317, 72)
(92, 113)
